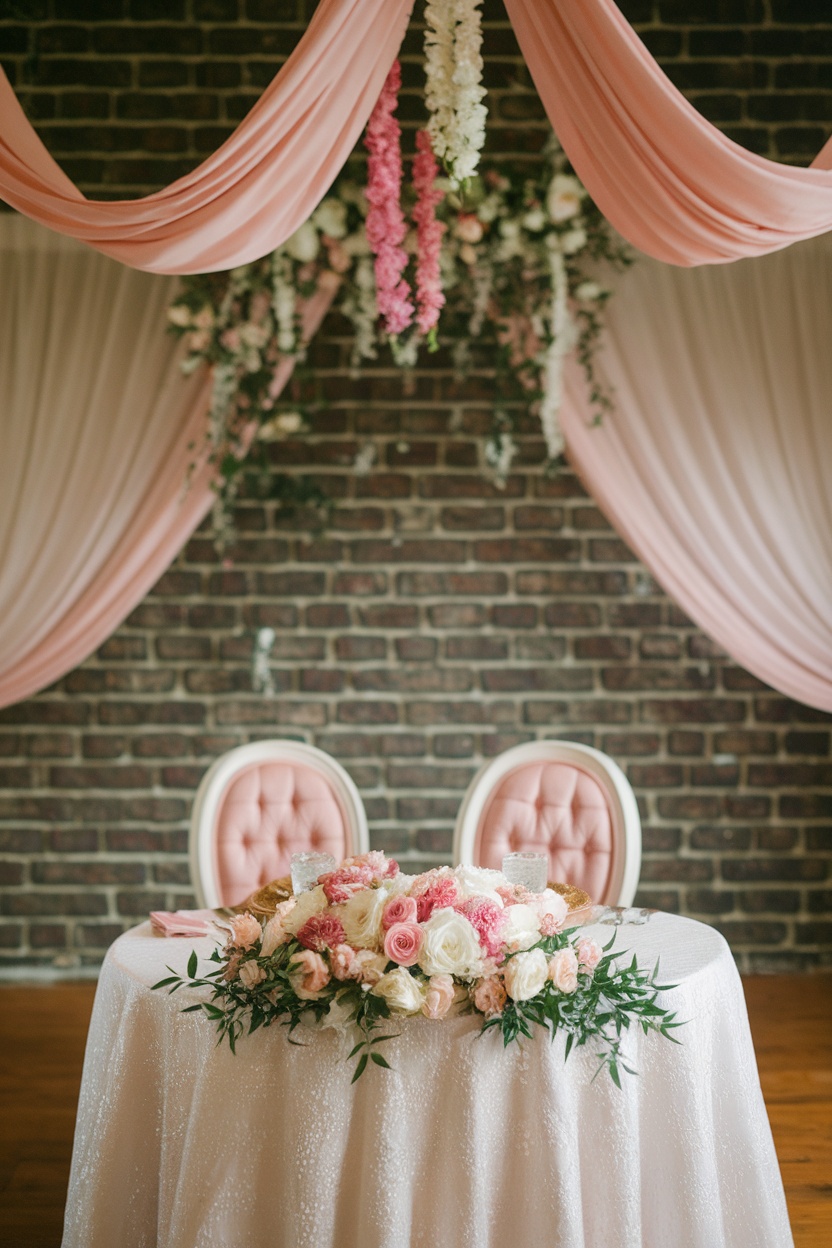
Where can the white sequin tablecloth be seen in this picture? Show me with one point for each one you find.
(179, 1144)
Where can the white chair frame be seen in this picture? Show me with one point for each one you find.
(625, 819)
(215, 782)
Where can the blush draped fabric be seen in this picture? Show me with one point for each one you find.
(716, 464)
(260, 185)
(96, 420)
(666, 178)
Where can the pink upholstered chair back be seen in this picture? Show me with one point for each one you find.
(260, 804)
(562, 799)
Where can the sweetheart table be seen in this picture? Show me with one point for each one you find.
(463, 1144)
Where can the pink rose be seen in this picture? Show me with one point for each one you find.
(589, 953)
(490, 995)
(251, 974)
(341, 961)
(245, 931)
(403, 943)
(439, 997)
(398, 910)
(321, 931)
(308, 975)
(563, 970)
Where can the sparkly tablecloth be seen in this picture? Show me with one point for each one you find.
(462, 1145)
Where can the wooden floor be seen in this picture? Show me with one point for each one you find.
(42, 1033)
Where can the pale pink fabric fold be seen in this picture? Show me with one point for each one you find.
(666, 178)
(261, 184)
(96, 426)
(716, 463)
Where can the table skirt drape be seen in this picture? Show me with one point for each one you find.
(463, 1144)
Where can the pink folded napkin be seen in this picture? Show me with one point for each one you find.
(183, 922)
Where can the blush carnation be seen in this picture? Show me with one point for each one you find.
(344, 883)
(308, 974)
(342, 961)
(490, 995)
(245, 931)
(487, 919)
(322, 931)
(589, 953)
(403, 943)
(377, 863)
(435, 891)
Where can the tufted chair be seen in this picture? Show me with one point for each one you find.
(556, 797)
(261, 803)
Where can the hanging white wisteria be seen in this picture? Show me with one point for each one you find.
(454, 92)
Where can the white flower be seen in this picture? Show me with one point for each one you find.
(307, 904)
(573, 240)
(509, 228)
(274, 934)
(254, 335)
(535, 220)
(331, 218)
(451, 946)
(525, 974)
(480, 882)
(588, 292)
(204, 318)
(403, 992)
(251, 974)
(522, 927)
(361, 916)
(280, 425)
(304, 244)
(550, 902)
(179, 315)
(563, 198)
(453, 84)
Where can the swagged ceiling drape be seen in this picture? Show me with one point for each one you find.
(666, 178)
(716, 464)
(96, 426)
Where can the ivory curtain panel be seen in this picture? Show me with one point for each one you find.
(716, 464)
(264, 181)
(96, 422)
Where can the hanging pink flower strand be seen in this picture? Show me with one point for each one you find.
(429, 296)
(385, 226)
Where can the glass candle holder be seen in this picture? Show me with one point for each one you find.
(306, 867)
(527, 868)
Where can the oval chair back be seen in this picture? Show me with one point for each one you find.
(563, 799)
(261, 803)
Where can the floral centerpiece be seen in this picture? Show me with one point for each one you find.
(369, 943)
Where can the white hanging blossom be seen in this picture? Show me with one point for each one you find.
(360, 307)
(454, 92)
(284, 303)
(499, 453)
(563, 337)
(262, 680)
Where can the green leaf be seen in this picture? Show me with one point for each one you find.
(163, 983)
(381, 1061)
(360, 1068)
(192, 964)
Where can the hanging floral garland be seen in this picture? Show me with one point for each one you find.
(509, 258)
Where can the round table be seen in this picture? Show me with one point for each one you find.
(463, 1144)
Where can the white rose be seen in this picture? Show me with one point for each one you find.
(587, 292)
(307, 904)
(403, 992)
(251, 974)
(331, 218)
(535, 220)
(573, 240)
(480, 882)
(179, 315)
(451, 946)
(361, 916)
(304, 244)
(399, 884)
(525, 974)
(522, 927)
(550, 902)
(563, 199)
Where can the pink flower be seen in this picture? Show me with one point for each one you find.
(341, 961)
(563, 970)
(439, 997)
(403, 943)
(385, 226)
(377, 863)
(251, 974)
(321, 931)
(589, 953)
(230, 339)
(233, 966)
(490, 995)
(274, 934)
(245, 931)
(344, 883)
(488, 920)
(469, 228)
(368, 967)
(434, 890)
(308, 975)
(398, 910)
(337, 256)
(429, 231)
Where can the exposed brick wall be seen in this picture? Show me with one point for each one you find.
(438, 620)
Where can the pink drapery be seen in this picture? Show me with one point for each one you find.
(666, 178)
(264, 181)
(716, 463)
(96, 424)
